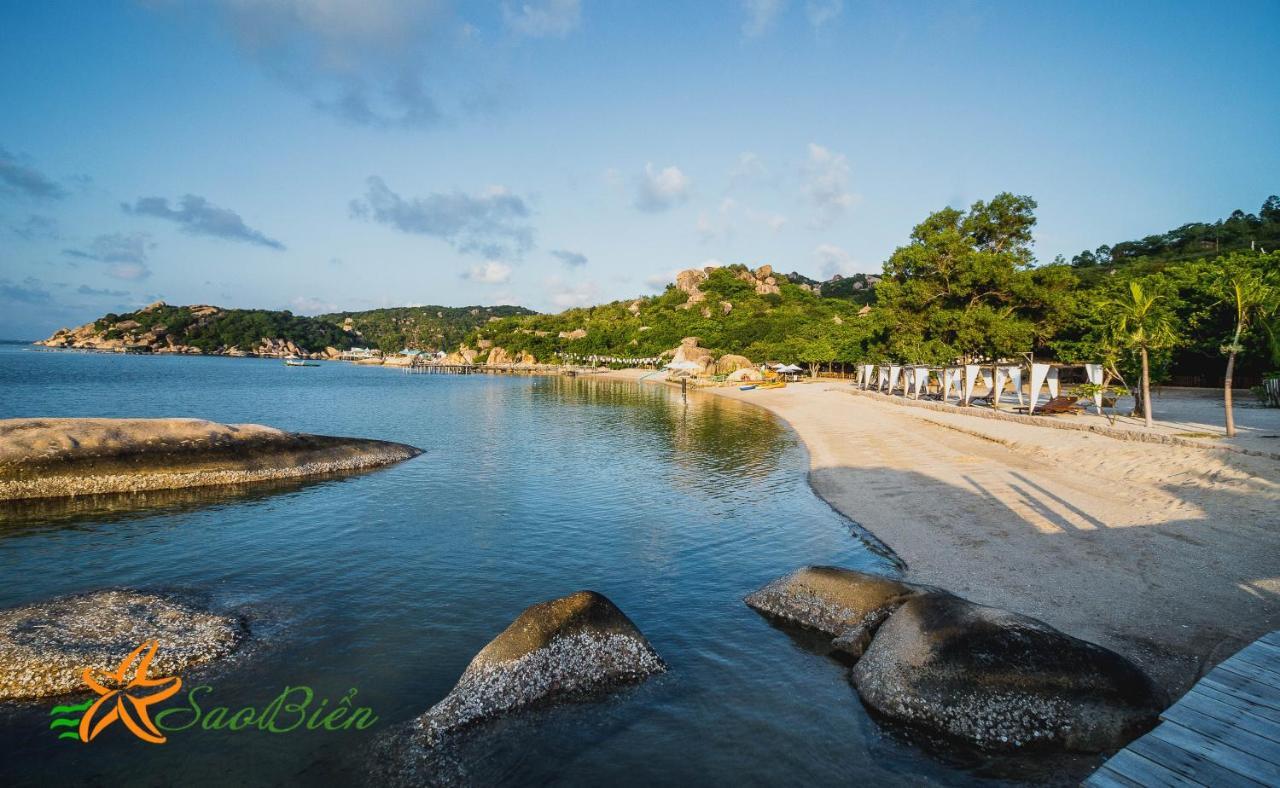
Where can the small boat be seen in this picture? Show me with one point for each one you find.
(297, 362)
(750, 387)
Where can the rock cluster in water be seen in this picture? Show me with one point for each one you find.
(993, 678)
(45, 646)
(47, 458)
(577, 645)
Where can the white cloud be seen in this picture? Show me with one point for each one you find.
(129, 271)
(566, 295)
(820, 12)
(570, 258)
(774, 221)
(833, 260)
(711, 227)
(760, 16)
(826, 185)
(749, 167)
(490, 273)
(659, 189)
(556, 18)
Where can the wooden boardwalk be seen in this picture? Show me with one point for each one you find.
(1224, 732)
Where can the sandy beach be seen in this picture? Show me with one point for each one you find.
(1169, 554)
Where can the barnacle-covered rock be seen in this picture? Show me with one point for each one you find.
(1001, 680)
(45, 646)
(573, 646)
(843, 603)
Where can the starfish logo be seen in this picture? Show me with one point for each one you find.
(125, 695)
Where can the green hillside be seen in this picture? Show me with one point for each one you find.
(418, 327)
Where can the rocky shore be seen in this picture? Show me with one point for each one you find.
(48, 458)
(46, 646)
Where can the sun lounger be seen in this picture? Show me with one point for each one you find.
(1056, 406)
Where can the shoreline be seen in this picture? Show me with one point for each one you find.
(1166, 553)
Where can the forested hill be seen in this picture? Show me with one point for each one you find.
(164, 328)
(419, 327)
(1238, 232)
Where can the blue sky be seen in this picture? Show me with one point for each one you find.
(346, 155)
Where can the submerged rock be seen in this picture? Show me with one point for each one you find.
(48, 458)
(45, 646)
(1001, 680)
(843, 603)
(572, 646)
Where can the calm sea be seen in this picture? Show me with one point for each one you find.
(389, 582)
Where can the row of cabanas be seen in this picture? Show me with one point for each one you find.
(960, 382)
(635, 362)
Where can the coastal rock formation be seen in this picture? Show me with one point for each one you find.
(842, 603)
(688, 350)
(730, 363)
(463, 355)
(46, 646)
(49, 458)
(577, 333)
(745, 374)
(498, 357)
(1002, 680)
(573, 646)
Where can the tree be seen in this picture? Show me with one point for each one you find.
(1139, 321)
(965, 287)
(1253, 297)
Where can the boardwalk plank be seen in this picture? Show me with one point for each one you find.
(1244, 704)
(1243, 667)
(1192, 765)
(1241, 763)
(1261, 694)
(1236, 736)
(1271, 639)
(1201, 703)
(1128, 768)
(1267, 667)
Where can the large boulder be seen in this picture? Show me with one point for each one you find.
(570, 647)
(1001, 680)
(45, 647)
(687, 282)
(842, 603)
(729, 363)
(688, 350)
(499, 357)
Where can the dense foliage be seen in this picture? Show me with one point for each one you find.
(767, 326)
(420, 327)
(1238, 232)
(230, 328)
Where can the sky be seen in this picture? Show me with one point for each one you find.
(321, 156)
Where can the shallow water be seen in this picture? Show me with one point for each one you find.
(390, 581)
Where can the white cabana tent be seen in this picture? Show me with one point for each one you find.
(919, 381)
(1042, 375)
(1094, 372)
(882, 377)
(970, 380)
(894, 372)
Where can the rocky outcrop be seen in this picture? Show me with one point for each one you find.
(463, 355)
(726, 307)
(688, 350)
(745, 374)
(761, 279)
(688, 282)
(570, 647)
(634, 308)
(498, 357)
(995, 679)
(45, 647)
(577, 333)
(730, 363)
(842, 603)
(1002, 680)
(51, 458)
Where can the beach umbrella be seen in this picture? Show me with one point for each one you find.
(788, 368)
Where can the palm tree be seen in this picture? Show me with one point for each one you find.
(1254, 298)
(1138, 323)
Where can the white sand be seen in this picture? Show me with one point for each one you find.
(1168, 554)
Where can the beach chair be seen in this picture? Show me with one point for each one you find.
(1056, 406)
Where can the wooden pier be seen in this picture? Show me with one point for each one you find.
(1224, 732)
